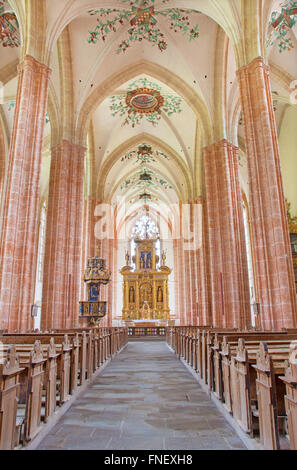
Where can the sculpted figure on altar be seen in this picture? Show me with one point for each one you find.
(160, 294)
(131, 295)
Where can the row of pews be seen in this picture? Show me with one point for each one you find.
(253, 374)
(40, 371)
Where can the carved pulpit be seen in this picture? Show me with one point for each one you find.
(145, 289)
(95, 275)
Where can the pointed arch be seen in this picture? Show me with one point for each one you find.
(132, 143)
(156, 71)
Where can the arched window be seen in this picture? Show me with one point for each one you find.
(249, 252)
(41, 243)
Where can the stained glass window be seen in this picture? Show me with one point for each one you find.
(145, 227)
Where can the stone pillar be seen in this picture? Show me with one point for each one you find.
(227, 251)
(177, 292)
(181, 281)
(188, 286)
(20, 214)
(92, 241)
(273, 258)
(112, 280)
(2, 163)
(203, 271)
(194, 240)
(2, 179)
(84, 248)
(62, 262)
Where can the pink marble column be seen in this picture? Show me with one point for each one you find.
(2, 163)
(84, 248)
(273, 258)
(198, 276)
(20, 218)
(227, 251)
(189, 257)
(203, 272)
(193, 267)
(62, 264)
(176, 278)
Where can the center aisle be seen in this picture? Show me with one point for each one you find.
(144, 399)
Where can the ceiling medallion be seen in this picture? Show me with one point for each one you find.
(144, 98)
(144, 155)
(145, 179)
(280, 25)
(142, 16)
(145, 176)
(9, 27)
(145, 197)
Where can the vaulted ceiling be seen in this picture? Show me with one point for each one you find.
(171, 89)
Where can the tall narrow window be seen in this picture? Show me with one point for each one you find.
(41, 243)
(40, 261)
(249, 260)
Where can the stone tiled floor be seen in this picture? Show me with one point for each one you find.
(144, 399)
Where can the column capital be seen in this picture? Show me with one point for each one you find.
(219, 144)
(250, 68)
(30, 63)
(196, 200)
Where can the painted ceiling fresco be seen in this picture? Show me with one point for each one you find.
(144, 197)
(145, 179)
(144, 154)
(281, 24)
(9, 28)
(143, 19)
(144, 99)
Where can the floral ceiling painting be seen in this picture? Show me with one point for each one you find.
(144, 100)
(145, 179)
(281, 24)
(144, 197)
(144, 154)
(142, 19)
(9, 28)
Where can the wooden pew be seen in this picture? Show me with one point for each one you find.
(246, 390)
(50, 383)
(214, 341)
(9, 387)
(45, 361)
(267, 401)
(244, 373)
(290, 380)
(67, 358)
(35, 379)
(49, 365)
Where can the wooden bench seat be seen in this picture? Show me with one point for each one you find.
(290, 381)
(10, 371)
(248, 371)
(39, 371)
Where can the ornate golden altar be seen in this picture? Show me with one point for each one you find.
(145, 289)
